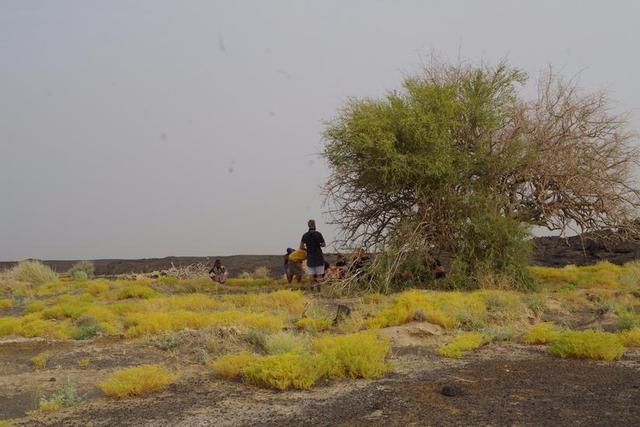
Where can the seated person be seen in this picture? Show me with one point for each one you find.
(293, 261)
(341, 266)
(218, 272)
(360, 259)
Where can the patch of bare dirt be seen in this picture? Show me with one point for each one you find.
(505, 384)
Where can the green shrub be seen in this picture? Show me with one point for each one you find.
(64, 397)
(33, 272)
(88, 331)
(168, 342)
(587, 345)
(285, 342)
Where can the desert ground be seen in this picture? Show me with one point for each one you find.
(565, 353)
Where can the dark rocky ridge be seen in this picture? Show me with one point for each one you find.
(548, 251)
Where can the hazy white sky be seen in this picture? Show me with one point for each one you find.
(151, 128)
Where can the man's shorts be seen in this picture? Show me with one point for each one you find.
(316, 271)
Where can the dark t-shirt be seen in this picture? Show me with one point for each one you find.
(312, 240)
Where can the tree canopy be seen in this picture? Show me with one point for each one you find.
(459, 161)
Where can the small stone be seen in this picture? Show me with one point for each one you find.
(450, 390)
(52, 379)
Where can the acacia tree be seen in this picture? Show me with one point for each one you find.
(458, 161)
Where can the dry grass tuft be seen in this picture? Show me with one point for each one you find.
(232, 366)
(40, 361)
(33, 272)
(631, 337)
(137, 381)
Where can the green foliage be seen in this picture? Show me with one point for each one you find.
(168, 342)
(426, 159)
(587, 345)
(286, 342)
(66, 396)
(33, 272)
(463, 343)
(82, 270)
(88, 331)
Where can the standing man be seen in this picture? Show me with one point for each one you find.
(313, 242)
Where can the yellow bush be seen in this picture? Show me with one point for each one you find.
(283, 371)
(288, 301)
(40, 361)
(602, 274)
(541, 333)
(137, 381)
(440, 308)
(631, 338)
(587, 344)
(6, 303)
(139, 324)
(9, 326)
(35, 327)
(106, 317)
(232, 365)
(135, 290)
(190, 302)
(51, 405)
(351, 356)
(314, 324)
(463, 343)
(97, 288)
(35, 306)
(83, 363)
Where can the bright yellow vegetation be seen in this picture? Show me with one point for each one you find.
(360, 355)
(137, 381)
(314, 324)
(5, 303)
(588, 345)
(347, 356)
(541, 333)
(631, 338)
(603, 274)
(232, 365)
(463, 343)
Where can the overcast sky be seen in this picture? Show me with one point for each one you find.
(151, 128)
